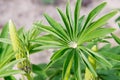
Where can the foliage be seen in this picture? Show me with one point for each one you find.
(70, 38)
(76, 54)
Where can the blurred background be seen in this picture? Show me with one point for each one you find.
(25, 12)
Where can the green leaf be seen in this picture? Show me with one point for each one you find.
(118, 21)
(50, 30)
(49, 39)
(66, 22)
(98, 58)
(111, 56)
(6, 58)
(67, 65)
(38, 71)
(117, 39)
(69, 15)
(47, 46)
(34, 32)
(10, 72)
(76, 15)
(58, 54)
(77, 66)
(96, 34)
(113, 52)
(5, 40)
(4, 32)
(81, 24)
(88, 65)
(9, 78)
(58, 28)
(10, 65)
(100, 22)
(94, 13)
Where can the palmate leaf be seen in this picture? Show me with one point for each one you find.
(73, 35)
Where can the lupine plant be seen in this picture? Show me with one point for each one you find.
(76, 54)
(71, 37)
